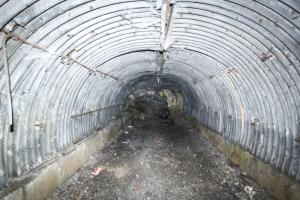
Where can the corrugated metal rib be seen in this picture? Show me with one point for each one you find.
(239, 61)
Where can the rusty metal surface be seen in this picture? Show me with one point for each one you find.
(236, 63)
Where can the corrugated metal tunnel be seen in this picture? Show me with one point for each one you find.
(235, 63)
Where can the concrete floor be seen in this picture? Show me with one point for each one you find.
(156, 159)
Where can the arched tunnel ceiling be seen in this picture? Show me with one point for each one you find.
(236, 63)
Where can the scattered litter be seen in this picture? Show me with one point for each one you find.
(97, 171)
(130, 126)
(126, 132)
(164, 170)
(223, 182)
(249, 190)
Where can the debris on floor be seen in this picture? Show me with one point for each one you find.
(97, 171)
(249, 190)
(160, 160)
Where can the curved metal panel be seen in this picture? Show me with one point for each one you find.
(237, 63)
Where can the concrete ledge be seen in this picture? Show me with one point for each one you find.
(279, 185)
(56, 173)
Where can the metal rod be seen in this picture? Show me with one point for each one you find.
(8, 83)
(9, 107)
(91, 111)
(19, 38)
(166, 15)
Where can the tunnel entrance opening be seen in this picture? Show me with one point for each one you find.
(148, 104)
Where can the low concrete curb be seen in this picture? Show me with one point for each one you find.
(56, 173)
(279, 185)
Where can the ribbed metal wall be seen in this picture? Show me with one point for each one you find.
(237, 62)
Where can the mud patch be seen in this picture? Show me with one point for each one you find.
(119, 172)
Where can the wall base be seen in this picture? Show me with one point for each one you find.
(279, 185)
(56, 173)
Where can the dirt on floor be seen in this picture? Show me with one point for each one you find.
(156, 159)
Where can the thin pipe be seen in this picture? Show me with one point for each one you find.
(8, 83)
(19, 38)
(91, 111)
(9, 107)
